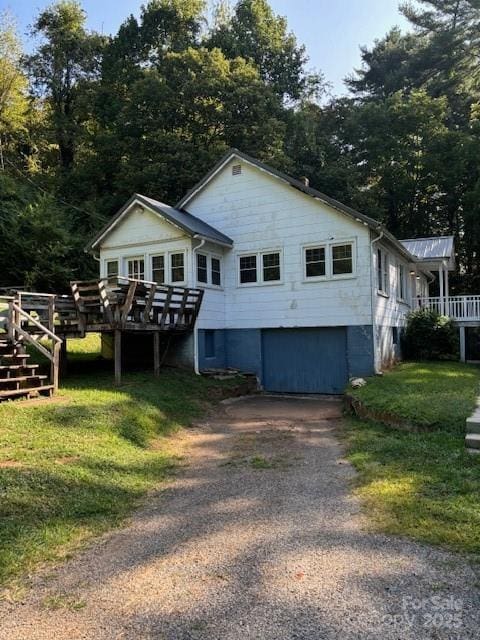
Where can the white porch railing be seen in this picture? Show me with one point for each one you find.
(456, 307)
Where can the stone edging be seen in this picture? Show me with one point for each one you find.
(361, 410)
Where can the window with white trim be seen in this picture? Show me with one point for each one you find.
(263, 267)
(136, 268)
(112, 268)
(248, 269)
(271, 267)
(401, 282)
(342, 259)
(215, 271)
(158, 268)
(315, 262)
(177, 267)
(202, 268)
(383, 282)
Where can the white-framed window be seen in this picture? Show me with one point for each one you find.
(111, 268)
(342, 259)
(383, 266)
(401, 282)
(271, 266)
(216, 271)
(315, 262)
(177, 267)
(136, 268)
(157, 265)
(202, 268)
(329, 260)
(263, 267)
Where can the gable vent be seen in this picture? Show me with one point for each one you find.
(236, 170)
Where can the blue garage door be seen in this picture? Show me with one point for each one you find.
(305, 360)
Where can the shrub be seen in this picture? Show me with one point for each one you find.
(430, 336)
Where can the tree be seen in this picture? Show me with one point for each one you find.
(68, 57)
(255, 33)
(13, 84)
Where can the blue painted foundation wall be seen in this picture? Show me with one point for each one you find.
(242, 349)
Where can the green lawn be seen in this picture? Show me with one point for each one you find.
(432, 395)
(423, 485)
(75, 466)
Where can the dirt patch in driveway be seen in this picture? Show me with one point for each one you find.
(271, 548)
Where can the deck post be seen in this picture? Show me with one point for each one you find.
(118, 357)
(63, 357)
(447, 293)
(462, 344)
(442, 295)
(156, 354)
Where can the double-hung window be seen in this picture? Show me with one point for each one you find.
(177, 267)
(112, 268)
(202, 268)
(382, 272)
(158, 269)
(136, 268)
(315, 262)
(329, 260)
(260, 268)
(215, 270)
(342, 259)
(401, 282)
(248, 269)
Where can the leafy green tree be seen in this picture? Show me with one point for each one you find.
(255, 33)
(67, 57)
(13, 85)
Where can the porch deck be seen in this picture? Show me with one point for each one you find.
(459, 308)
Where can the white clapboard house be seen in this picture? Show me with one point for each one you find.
(300, 289)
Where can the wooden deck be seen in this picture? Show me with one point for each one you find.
(115, 306)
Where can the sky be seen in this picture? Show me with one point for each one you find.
(332, 30)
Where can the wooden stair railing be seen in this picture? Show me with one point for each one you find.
(17, 331)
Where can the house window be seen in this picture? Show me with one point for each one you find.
(112, 268)
(401, 282)
(395, 336)
(209, 343)
(382, 272)
(136, 268)
(342, 259)
(177, 267)
(248, 269)
(271, 267)
(315, 262)
(202, 274)
(158, 269)
(215, 271)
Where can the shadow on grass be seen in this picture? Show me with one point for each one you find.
(85, 461)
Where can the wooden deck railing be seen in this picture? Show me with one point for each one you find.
(124, 303)
(461, 308)
(22, 327)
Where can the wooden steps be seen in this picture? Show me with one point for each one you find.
(17, 378)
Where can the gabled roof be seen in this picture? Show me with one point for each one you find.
(192, 225)
(296, 184)
(429, 249)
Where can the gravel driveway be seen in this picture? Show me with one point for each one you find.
(257, 537)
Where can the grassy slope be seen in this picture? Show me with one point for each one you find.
(424, 485)
(76, 466)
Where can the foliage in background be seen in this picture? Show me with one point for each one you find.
(429, 336)
(152, 108)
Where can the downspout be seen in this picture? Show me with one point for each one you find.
(195, 330)
(372, 299)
